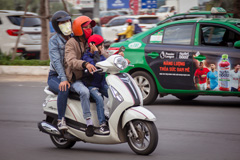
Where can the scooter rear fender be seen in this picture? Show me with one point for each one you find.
(138, 112)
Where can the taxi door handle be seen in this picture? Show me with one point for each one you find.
(153, 55)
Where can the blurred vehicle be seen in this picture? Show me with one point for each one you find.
(185, 58)
(164, 12)
(175, 6)
(151, 11)
(197, 14)
(30, 41)
(106, 16)
(124, 12)
(118, 25)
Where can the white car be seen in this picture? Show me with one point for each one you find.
(118, 25)
(30, 41)
(164, 11)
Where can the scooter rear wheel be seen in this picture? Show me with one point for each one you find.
(61, 142)
(147, 139)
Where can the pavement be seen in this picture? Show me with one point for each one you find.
(23, 73)
(24, 70)
(23, 78)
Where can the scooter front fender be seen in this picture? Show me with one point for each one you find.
(138, 112)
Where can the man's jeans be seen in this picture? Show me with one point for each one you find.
(83, 91)
(97, 93)
(53, 83)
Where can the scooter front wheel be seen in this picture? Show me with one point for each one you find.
(147, 137)
(61, 142)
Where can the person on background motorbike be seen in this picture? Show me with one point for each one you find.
(57, 79)
(137, 28)
(129, 31)
(96, 83)
(74, 65)
(97, 29)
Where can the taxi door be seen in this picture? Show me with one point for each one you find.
(169, 53)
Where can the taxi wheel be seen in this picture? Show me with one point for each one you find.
(147, 86)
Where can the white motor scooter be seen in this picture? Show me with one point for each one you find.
(128, 120)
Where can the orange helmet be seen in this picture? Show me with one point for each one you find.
(78, 22)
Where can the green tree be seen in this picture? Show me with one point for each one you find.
(19, 5)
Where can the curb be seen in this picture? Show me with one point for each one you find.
(24, 70)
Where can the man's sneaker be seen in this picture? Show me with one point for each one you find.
(104, 129)
(62, 124)
(89, 131)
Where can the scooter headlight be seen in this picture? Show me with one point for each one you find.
(116, 94)
(120, 62)
(45, 103)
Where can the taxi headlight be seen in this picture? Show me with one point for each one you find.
(120, 62)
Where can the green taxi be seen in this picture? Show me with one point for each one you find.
(185, 58)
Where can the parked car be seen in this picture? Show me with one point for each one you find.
(196, 14)
(106, 16)
(186, 58)
(30, 41)
(118, 24)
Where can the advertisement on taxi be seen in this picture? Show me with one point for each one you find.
(198, 72)
(222, 74)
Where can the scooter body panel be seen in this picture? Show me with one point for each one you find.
(138, 112)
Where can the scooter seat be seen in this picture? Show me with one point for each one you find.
(72, 95)
(75, 96)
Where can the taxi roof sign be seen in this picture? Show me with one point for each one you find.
(218, 10)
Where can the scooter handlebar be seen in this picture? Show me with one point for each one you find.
(97, 70)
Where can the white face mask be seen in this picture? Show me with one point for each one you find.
(66, 28)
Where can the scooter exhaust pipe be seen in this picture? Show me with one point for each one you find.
(48, 128)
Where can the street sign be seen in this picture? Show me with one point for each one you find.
(148, 4)
(117, 4)
(134, 6)
(79, 4)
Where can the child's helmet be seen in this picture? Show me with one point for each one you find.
(96, 39)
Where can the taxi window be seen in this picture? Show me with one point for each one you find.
(218, 36)
(180, 34)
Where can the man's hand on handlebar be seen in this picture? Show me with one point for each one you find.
(91, 68)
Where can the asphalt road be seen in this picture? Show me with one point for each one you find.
(204, 129)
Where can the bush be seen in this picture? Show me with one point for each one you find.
(25, 62)
(6, 60)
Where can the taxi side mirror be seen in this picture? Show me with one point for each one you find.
(237, 44)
